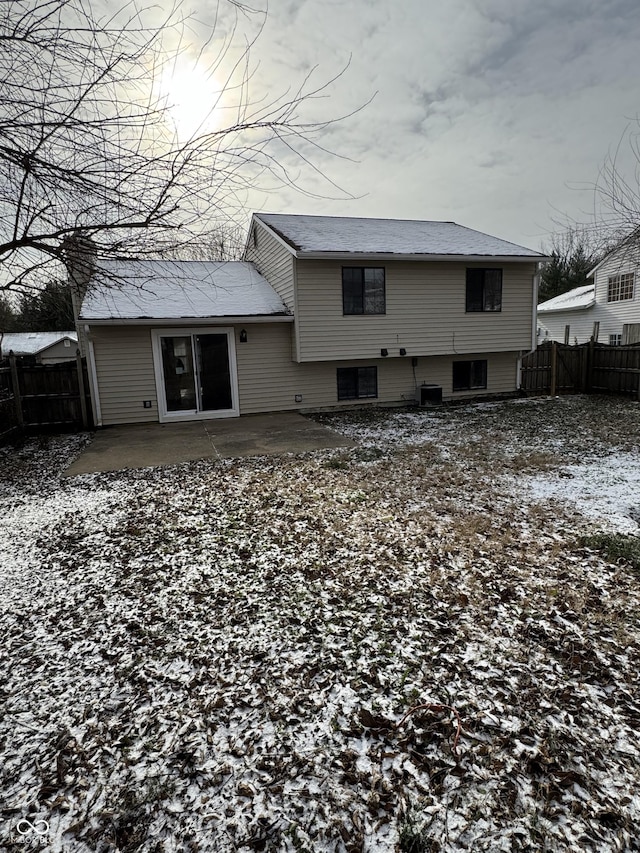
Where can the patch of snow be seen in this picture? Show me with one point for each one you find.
(171, 290)
(606, 490)
(578, 298)
(387, 236)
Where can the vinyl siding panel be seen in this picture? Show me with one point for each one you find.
(613, 315)
(124, 368)
(268, 379)
(502, 373)
(551, 326)
(425, 312)
(273, 261)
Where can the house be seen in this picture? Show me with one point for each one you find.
(322, 312)
(606, 309)
(40, 347)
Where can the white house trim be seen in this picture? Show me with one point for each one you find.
(166, 416)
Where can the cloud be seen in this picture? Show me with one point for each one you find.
(489, 112)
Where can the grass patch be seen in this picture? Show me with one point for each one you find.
(615, 546)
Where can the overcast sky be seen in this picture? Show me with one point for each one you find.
(497, 114)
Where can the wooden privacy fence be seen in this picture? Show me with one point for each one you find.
(36, 397)
(582, 369)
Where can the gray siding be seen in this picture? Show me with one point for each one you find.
(124, 367)
(273, 261)
(425, 312)
(58, 352)
(268, 379)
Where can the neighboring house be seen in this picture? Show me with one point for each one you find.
(41, 347)
(322, 312)
(568, 318)
(607, 309)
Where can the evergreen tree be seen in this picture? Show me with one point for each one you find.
(46, 310)
(571, 260)
(8, 319)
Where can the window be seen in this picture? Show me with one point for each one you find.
(469, 375)
(484, 290)
(620, 287)
(615, 340)
(357, 383)
(363, 290)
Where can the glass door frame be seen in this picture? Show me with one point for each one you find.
(166, 416)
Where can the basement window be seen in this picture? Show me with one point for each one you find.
(357, 383)
(469, 375)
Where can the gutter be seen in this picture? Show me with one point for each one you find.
(389, 256)
(535, 286)
(570, 308)
(188, 321)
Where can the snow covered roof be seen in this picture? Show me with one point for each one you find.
(340, 235)
(573, 300)
(32, 343)
(175, 290)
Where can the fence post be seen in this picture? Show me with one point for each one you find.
(81, 389)
(590, 360)
(584, 368)
(16, 389)
(554, 367)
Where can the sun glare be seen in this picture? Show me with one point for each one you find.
(192, 98)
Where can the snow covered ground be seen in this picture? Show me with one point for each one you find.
(221, 656)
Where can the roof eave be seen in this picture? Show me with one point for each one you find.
(423, 256)
(568, 308)
(187, 321)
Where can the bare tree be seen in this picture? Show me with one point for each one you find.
(87, 144)
(617, 191)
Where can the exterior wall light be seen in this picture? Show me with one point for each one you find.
(243, 336)
(384, 352)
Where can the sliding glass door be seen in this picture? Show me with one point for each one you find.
(195, 373)
(214, 373)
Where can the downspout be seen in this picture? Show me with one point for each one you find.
(535, 283)
(93, 378)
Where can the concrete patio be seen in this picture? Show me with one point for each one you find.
(144, 445)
